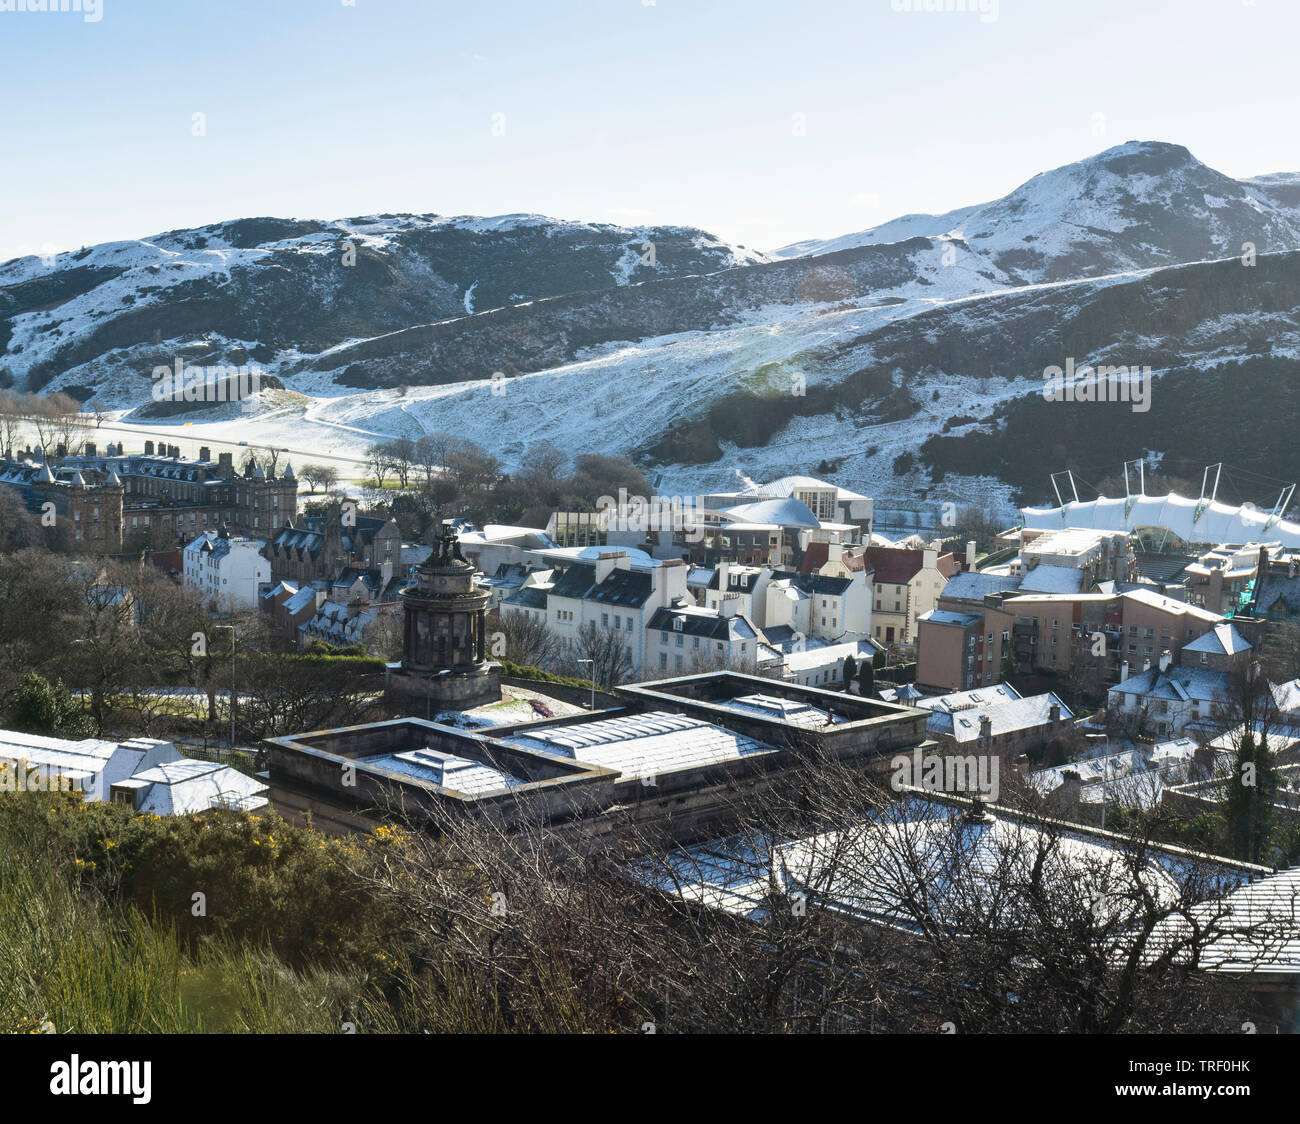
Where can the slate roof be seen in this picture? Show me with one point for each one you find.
(893, 566)
(1279, 594)
(1006, 716)
(818, 585)
(1221, 640)
(1178, 684)
(739, 579)
(629, 589)
(818, 554)
(528, 597)
(703, 623)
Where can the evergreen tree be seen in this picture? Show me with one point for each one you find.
(1248, 810)
(42, 707)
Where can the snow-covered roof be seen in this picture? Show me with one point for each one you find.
(1178, 684)
(1193, 521)
(1005, 716)
(1052, 579)
(643, 745)
(980, 696)
(786, 512)
(178, 787)
(793, 711)
(1170, 605)
(787, 485)
(946, 616)
(972, 585)
(447, 770)
(811, 658)
(1222, 639)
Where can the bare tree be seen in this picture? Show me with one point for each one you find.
(826, 903)
(608, 653)
(401, 453)
(380, 463)
(526, 640)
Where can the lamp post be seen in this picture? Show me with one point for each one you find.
(593, 680)
(1102, 741)
(231, 627)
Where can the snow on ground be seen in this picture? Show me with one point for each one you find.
(623, 396)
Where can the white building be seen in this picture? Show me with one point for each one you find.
(686, 639)
(148, 774)
(823, 666)
(226, 571)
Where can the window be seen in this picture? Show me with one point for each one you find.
(663, 638)
(604, 620)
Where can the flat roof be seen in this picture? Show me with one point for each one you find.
(641, 745)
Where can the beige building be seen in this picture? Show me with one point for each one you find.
(906, 585)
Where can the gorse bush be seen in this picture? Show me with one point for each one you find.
(83, 958)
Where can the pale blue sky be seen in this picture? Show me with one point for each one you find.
(624, 111)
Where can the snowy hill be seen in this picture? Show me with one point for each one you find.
(1137, 205)
(260, 287)
(901, 356)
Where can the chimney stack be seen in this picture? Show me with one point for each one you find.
(606, 562)
(205, 454)
(970, 554)
(148, 448)
(986, 727)
(91, 450)
(1166, 657)
(1071, 790)
(1054, 713)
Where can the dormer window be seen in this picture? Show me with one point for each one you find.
(677, 624)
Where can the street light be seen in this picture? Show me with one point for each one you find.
(223, 627)
(593, 680)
